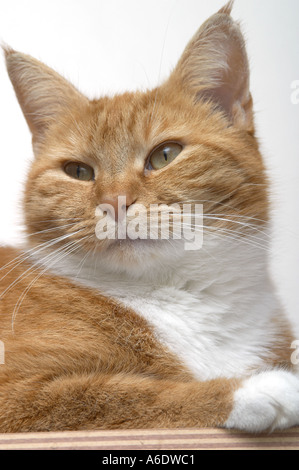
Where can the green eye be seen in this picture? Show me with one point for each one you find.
(79, 171)
(164, 155)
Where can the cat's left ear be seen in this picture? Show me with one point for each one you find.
(214, 67)
(43, 94)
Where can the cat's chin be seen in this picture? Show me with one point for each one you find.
(139, 256)
(129, 245)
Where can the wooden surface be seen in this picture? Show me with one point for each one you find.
(204, 439)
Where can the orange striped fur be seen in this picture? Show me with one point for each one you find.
(76, 359)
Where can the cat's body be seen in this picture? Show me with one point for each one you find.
(196, 313)
(143, 333)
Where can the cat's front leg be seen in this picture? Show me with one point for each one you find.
(266, 401)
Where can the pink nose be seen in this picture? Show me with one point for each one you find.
(118, 205)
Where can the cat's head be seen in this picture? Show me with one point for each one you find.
(189, 141)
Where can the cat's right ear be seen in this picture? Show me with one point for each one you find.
(214, 67)
(42, 93)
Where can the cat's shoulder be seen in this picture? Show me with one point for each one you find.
(8, 254)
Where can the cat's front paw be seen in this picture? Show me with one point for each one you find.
(267, 401)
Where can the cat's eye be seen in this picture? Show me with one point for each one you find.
(79, 171)
(164, 155)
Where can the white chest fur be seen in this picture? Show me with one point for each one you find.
(205, 333)
(214, 312)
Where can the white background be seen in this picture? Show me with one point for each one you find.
(107, 46)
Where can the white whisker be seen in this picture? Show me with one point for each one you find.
(71, 247)
(228, 234)
(52, 229)
(30, 269)
(26, 255)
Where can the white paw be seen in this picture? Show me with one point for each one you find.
(266, 401)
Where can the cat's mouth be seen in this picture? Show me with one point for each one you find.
(128, 243)
(170, 226)
(140, 255)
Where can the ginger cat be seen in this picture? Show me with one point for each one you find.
(142, 333)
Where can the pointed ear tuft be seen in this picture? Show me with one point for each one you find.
(42, 93)
(214, 67)
(227, 9)
(6, 49)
